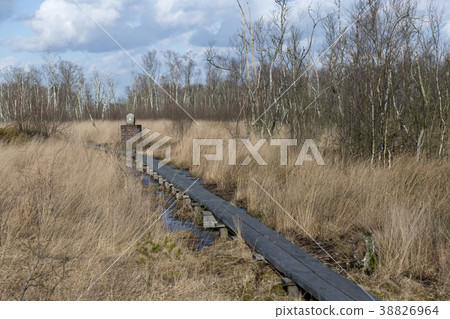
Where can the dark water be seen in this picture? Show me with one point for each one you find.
(204, 238)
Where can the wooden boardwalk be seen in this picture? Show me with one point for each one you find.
(306, 271)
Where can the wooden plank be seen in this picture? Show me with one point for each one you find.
(309, 273)
(300, 254)
(209, 221)
(306, 271)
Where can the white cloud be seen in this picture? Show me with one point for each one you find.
(61, 23)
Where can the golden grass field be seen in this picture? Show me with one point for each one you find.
(92, 208)
(70, 213)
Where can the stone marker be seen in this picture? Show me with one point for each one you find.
(130, 129)
(131, 120)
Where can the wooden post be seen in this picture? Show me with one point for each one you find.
(223, 232)
(291, 287)
(208, 220)
(197, 207)
(187, 200)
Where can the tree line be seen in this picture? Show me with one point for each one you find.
(38, 99)
(378, 83)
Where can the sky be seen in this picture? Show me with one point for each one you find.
(30, 30)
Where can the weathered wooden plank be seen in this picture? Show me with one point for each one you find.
(319, 268)
(300, 254)
(313, 276)
(297, 270)
(306, 271)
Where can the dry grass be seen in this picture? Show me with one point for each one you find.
(67, 213)
(405, 207)
(95, 209)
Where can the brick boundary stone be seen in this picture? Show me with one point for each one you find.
(128, 131)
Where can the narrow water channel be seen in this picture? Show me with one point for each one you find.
(204, 238)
